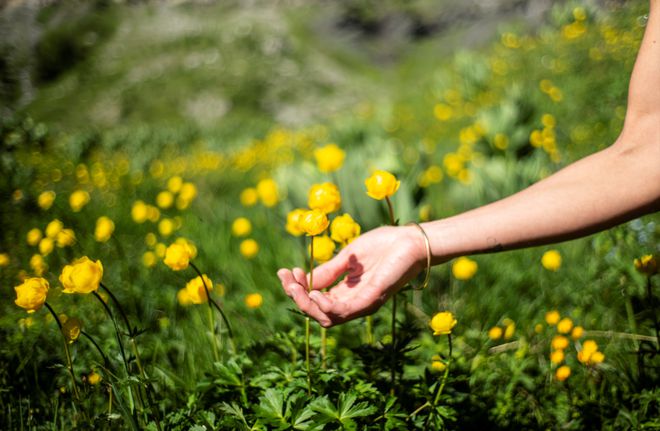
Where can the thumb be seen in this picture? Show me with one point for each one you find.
(327, 273)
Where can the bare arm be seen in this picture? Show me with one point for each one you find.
(594, 193)
(607, 188)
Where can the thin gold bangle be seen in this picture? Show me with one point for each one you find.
(427, 244)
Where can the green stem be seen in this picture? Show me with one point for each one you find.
(69, 361)
(370, 330)
(106, 361)
(649, 292)
(394, 343)
(117, 333)
(307, 322)
(212, 304)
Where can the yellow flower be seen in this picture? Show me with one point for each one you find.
(324, 248)
(31, 295)
(183, 297)
(597, 357)
(241, 227)
(149, 259)
(139, 212)
(160, 250)
(559, 342)
(293, 221)
(267, 192)
(464, 268)
(46, 199)
(249, 248)
(82, 276)
(104, 229)
(538, 328)
(563, 373)
(313, 222)
(344, 229)
(509, 330)
(166, 227)
(93, 378)
(192, 250)
(150, 239)
(551, 260)
(66, 238)
(381, 184)
(71, 328)
(38, 264)
(577, 332)
(153, 213)
(329, 158)
(249, 197)
(53, 228)
(46, 246)
(647, 264)
(188, 192)
(589, 347)
(552, 317)
(177, 256)
(174, 184)
(437, 365)
(4, 259)
(442, 323)
(495, 333)
(196, 291)
(565, 325)
(557, 357)
(78, 200)
(34, 236)
(254, 300)
(324, 197)
(165, 199)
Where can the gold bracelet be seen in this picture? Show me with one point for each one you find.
(427, 243)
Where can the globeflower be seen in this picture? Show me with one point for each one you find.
(254, 300)
(82, 276)
(31, 294)
(195, 290)
(344, 229)
(324, 197)
(249, 197)
(495, 333)
(563, 373)
(577, 332)
(293, 221)
(71, 328)
(314, 222)
(551, 260)
(268, 192)
(66, 238)
(174, 184)
(165, 199)
(249, 248)
(241, 227)
(45, 200)
(552, 317)
(559, 342)
(381, 184)
(38, 264)
(177, 256)
(442, 323)
(647, 265)
(565, 325)
(464, 268)
(33, 236)
(324, 248)
(329, 158)
(104, 229)
(557, 357)
(139, 212)
(4, 259)
(46, 246)
(78, 200)
(53, 228)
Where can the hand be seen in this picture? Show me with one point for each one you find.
(376, 265)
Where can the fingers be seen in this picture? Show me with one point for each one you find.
(298, 293)
(327, 273)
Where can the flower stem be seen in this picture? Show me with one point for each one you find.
(370, 330)
(394, 341)
(106, 361)
(307, 322)
(212, 304)
(440, 387)
(76, 394)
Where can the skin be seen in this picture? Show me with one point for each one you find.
(602, 190)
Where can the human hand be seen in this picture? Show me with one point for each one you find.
(376, 265)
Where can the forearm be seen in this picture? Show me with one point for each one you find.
(597, 192)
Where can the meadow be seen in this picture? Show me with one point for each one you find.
(141, 235)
